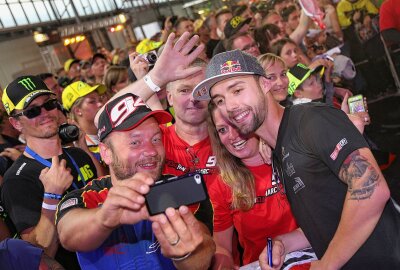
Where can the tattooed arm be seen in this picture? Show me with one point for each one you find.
(365, 200)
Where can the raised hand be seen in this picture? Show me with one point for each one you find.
(56, 179)
(138, 65)
(175, 58)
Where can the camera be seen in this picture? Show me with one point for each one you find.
(151, 57)
(68, 133)
(174, 192)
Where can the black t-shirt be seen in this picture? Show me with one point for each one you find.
(22, 190)
(313, 141)
(219, 48)
(210, 46)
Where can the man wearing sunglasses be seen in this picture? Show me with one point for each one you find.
(39, 178)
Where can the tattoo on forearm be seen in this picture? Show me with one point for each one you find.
(360, 176)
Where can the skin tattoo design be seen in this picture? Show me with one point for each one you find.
(360, 176)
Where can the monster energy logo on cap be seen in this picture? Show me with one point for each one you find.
(28, 84)
(20, 92)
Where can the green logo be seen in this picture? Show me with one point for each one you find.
(28, 84)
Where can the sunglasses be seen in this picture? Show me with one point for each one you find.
(36, 110)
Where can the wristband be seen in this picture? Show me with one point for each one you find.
(52, 196)
(51, 207)
(181, 258)
(154, 87)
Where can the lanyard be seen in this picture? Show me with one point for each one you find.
(48, 163)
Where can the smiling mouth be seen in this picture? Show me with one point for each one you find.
(239, 145)
(240, 116)
(147, 166)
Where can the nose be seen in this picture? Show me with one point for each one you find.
(149, 149)
(231, 104)
(233, 133)
(192, 100)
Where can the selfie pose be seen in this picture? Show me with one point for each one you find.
(121, 233)
(336, 190)
(248, 197)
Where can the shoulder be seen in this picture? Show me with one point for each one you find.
(22, 168)
(75, 151)
(78, 154)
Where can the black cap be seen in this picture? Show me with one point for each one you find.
(234, 25)
(20, 92)
(125, 113)
(226, 65)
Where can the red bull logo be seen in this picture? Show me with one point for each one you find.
(230, 66)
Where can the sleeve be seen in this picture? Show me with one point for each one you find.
(220, 196)
(329, 134)
(22, 200)
(70, 201)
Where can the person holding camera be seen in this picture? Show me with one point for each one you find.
(45, 171)
(121, 232)
(82, 101)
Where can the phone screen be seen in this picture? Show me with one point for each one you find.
(174, 192)
(356, 104)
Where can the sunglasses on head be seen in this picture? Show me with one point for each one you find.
(36, 110)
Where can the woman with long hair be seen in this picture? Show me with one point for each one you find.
(248, 197)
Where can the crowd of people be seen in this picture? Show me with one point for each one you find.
(254, 98)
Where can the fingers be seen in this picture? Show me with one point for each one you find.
(181, 42)
(189, 71)
(195, 53)
(126, 197)
(55, 162)
(169, 43)
(278, 252)
(265, 151)
(345, 105)
(177, 231)
(188, 46)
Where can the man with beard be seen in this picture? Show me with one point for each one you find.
(39, 178)
(337, 192)
(186, 142)
(118, 229)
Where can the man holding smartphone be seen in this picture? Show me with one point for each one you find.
(135, 153)
(337, 192)
(108, 222)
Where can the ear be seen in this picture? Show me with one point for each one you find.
(169, 98)
(77, 111)
(15, 123)
(265, 84)
(298, 93)
(105, 153)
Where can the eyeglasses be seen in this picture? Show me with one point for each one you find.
(36, 110)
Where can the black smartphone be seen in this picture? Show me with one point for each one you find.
(174, 192)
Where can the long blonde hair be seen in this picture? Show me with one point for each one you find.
(233, 171)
